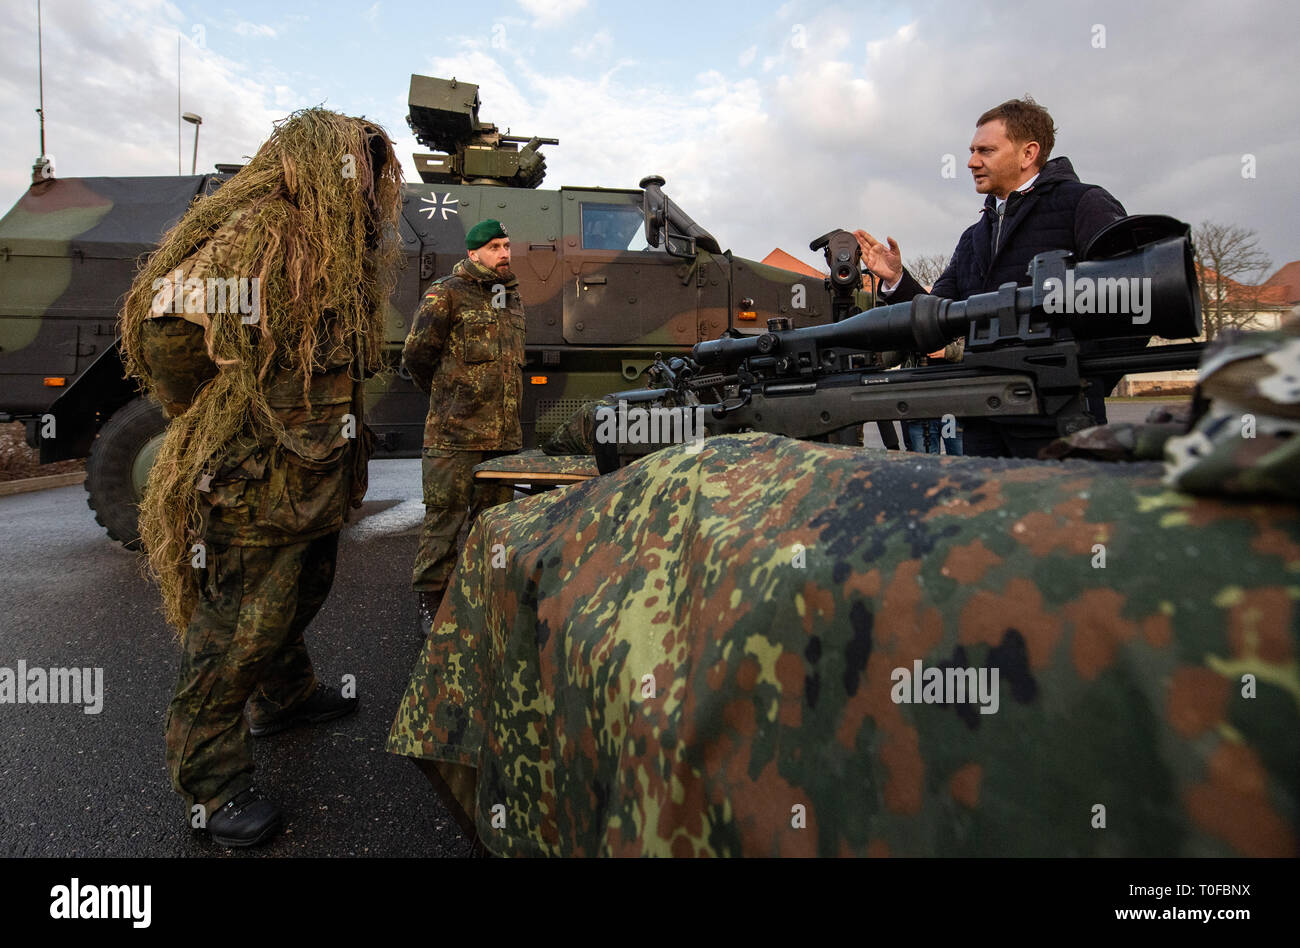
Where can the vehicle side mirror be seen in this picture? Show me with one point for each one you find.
(654, 208)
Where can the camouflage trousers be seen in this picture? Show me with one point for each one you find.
(452, 500)
(244, 645)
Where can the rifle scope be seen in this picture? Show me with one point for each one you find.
(1148, 291)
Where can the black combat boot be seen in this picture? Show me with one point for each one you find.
(246, 820)
(323, 705)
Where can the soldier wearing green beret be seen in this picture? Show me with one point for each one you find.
(466, 349)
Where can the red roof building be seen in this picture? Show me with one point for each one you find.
(1284, 286)
(779, 258)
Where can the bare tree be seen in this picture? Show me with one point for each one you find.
(928, 268)
(1231, 267)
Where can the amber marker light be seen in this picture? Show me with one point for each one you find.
(538, 379)
(747, 310)
(55, 381)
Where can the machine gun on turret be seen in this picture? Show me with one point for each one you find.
(444, 115)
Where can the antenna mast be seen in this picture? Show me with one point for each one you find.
(178, 102)
(40, 73)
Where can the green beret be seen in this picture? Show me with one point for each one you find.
(484, 231)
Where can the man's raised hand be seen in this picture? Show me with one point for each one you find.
(884, 262)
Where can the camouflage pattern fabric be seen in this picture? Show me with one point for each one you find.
(1125, 441)
(300, 486)
(578, 434)
(703, 654)
(452, 500)
(535, 462)
(1247, 441)
(244, 645)
(272, 489)
(272, 511)
(468, 353)
(1120, 441)
(176, 351)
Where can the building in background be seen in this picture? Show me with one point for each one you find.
(1262, 306)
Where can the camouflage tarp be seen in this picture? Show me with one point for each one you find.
(705, 653)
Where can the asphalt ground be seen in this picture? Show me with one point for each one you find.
(77, 784)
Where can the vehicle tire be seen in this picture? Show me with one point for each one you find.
(118, 466)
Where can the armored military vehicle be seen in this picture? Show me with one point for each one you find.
(601, 298)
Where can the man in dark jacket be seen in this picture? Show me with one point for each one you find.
(1032, 205)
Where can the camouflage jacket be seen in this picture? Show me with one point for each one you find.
(273, 491)
(467, 354)
(268, 489)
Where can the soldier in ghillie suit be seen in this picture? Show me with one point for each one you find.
(466, 349)
(266, 449)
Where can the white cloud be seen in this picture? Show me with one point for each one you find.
(828, 135)
(244, 28)
(877, 48)
(547, 13)
(110, 94)
(597, 46)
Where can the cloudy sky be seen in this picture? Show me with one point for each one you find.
(772, 123)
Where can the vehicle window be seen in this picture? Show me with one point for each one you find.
(613, 227)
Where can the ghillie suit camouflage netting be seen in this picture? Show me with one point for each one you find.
(307, 218)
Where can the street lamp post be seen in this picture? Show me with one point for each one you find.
(196, 121)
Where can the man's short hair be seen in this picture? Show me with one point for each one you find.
(1025, 121)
